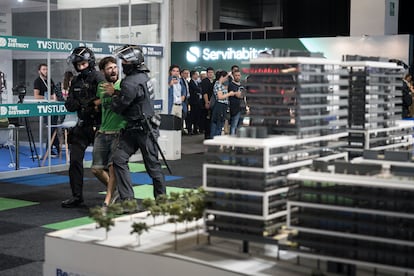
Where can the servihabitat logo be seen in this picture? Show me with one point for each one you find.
(193, 54)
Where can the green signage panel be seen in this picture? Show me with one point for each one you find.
(223, 54)
(32, 109)
(60, 45)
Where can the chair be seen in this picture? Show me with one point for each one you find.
(70, 121)
(6, 141)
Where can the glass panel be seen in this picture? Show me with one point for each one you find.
(76, 20)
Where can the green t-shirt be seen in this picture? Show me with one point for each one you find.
(110, 120)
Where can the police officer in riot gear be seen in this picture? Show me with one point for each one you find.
(82, 99)
(134, 102)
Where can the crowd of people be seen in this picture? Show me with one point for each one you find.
(206, 100)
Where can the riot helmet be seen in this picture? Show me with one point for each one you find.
(134, 56)
(82, 54)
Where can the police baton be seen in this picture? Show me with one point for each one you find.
(149, 126)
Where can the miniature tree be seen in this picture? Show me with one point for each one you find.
(148, 202)
(175, 209)
(130, 206)
(139, 228)
(114, 209)
(198, 206)
(186, 214)
(163, 202)
(102, 219)
(155, 211)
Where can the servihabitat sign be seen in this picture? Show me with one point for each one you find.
(60, 45)
(32, 110)
(199, 55)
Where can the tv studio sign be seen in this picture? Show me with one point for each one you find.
(32, 110)
(195, 53)
(60, 45)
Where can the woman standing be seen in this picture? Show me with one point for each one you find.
(219, 110)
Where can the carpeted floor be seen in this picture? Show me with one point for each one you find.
(30, 206)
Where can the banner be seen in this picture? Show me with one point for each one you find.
(43, 109)
(32, 109)
(60, 45)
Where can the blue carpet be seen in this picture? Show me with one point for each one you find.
(26, 161)
(144, 178)
(39, 180)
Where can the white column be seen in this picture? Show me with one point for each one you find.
(374, 17)
(184, 16)
(165, 40)
(6, 56)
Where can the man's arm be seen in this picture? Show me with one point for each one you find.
(36, 89)
(122, 99)
(72, 103)
(36, 93)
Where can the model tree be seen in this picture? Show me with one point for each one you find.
(139, 228)
(102, 219)
(175, 210)
(130, 206)
(163, 201)
(151, 205)
(197, 202)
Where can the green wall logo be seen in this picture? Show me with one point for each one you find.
(3, 42)
(193, 54)
(3, 110)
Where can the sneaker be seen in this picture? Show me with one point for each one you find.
(72, 203)
(115, 197)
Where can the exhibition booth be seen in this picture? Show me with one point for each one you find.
(34, 33)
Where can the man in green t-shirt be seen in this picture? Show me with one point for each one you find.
(106, 139)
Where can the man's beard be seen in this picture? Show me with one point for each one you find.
(111, 78)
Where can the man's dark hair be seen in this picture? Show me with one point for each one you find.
(192, 73)
(235, 66)
(105, 61)
(209, 69)
(41, 65)
(173, 66)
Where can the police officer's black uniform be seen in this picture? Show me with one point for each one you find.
(82, 93)
(134, 102)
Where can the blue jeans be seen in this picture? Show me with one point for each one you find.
(217, 119)
(235, 123)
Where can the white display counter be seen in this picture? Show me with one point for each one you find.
(85, 251)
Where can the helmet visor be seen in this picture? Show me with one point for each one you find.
(79, 54)
(126, 53)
